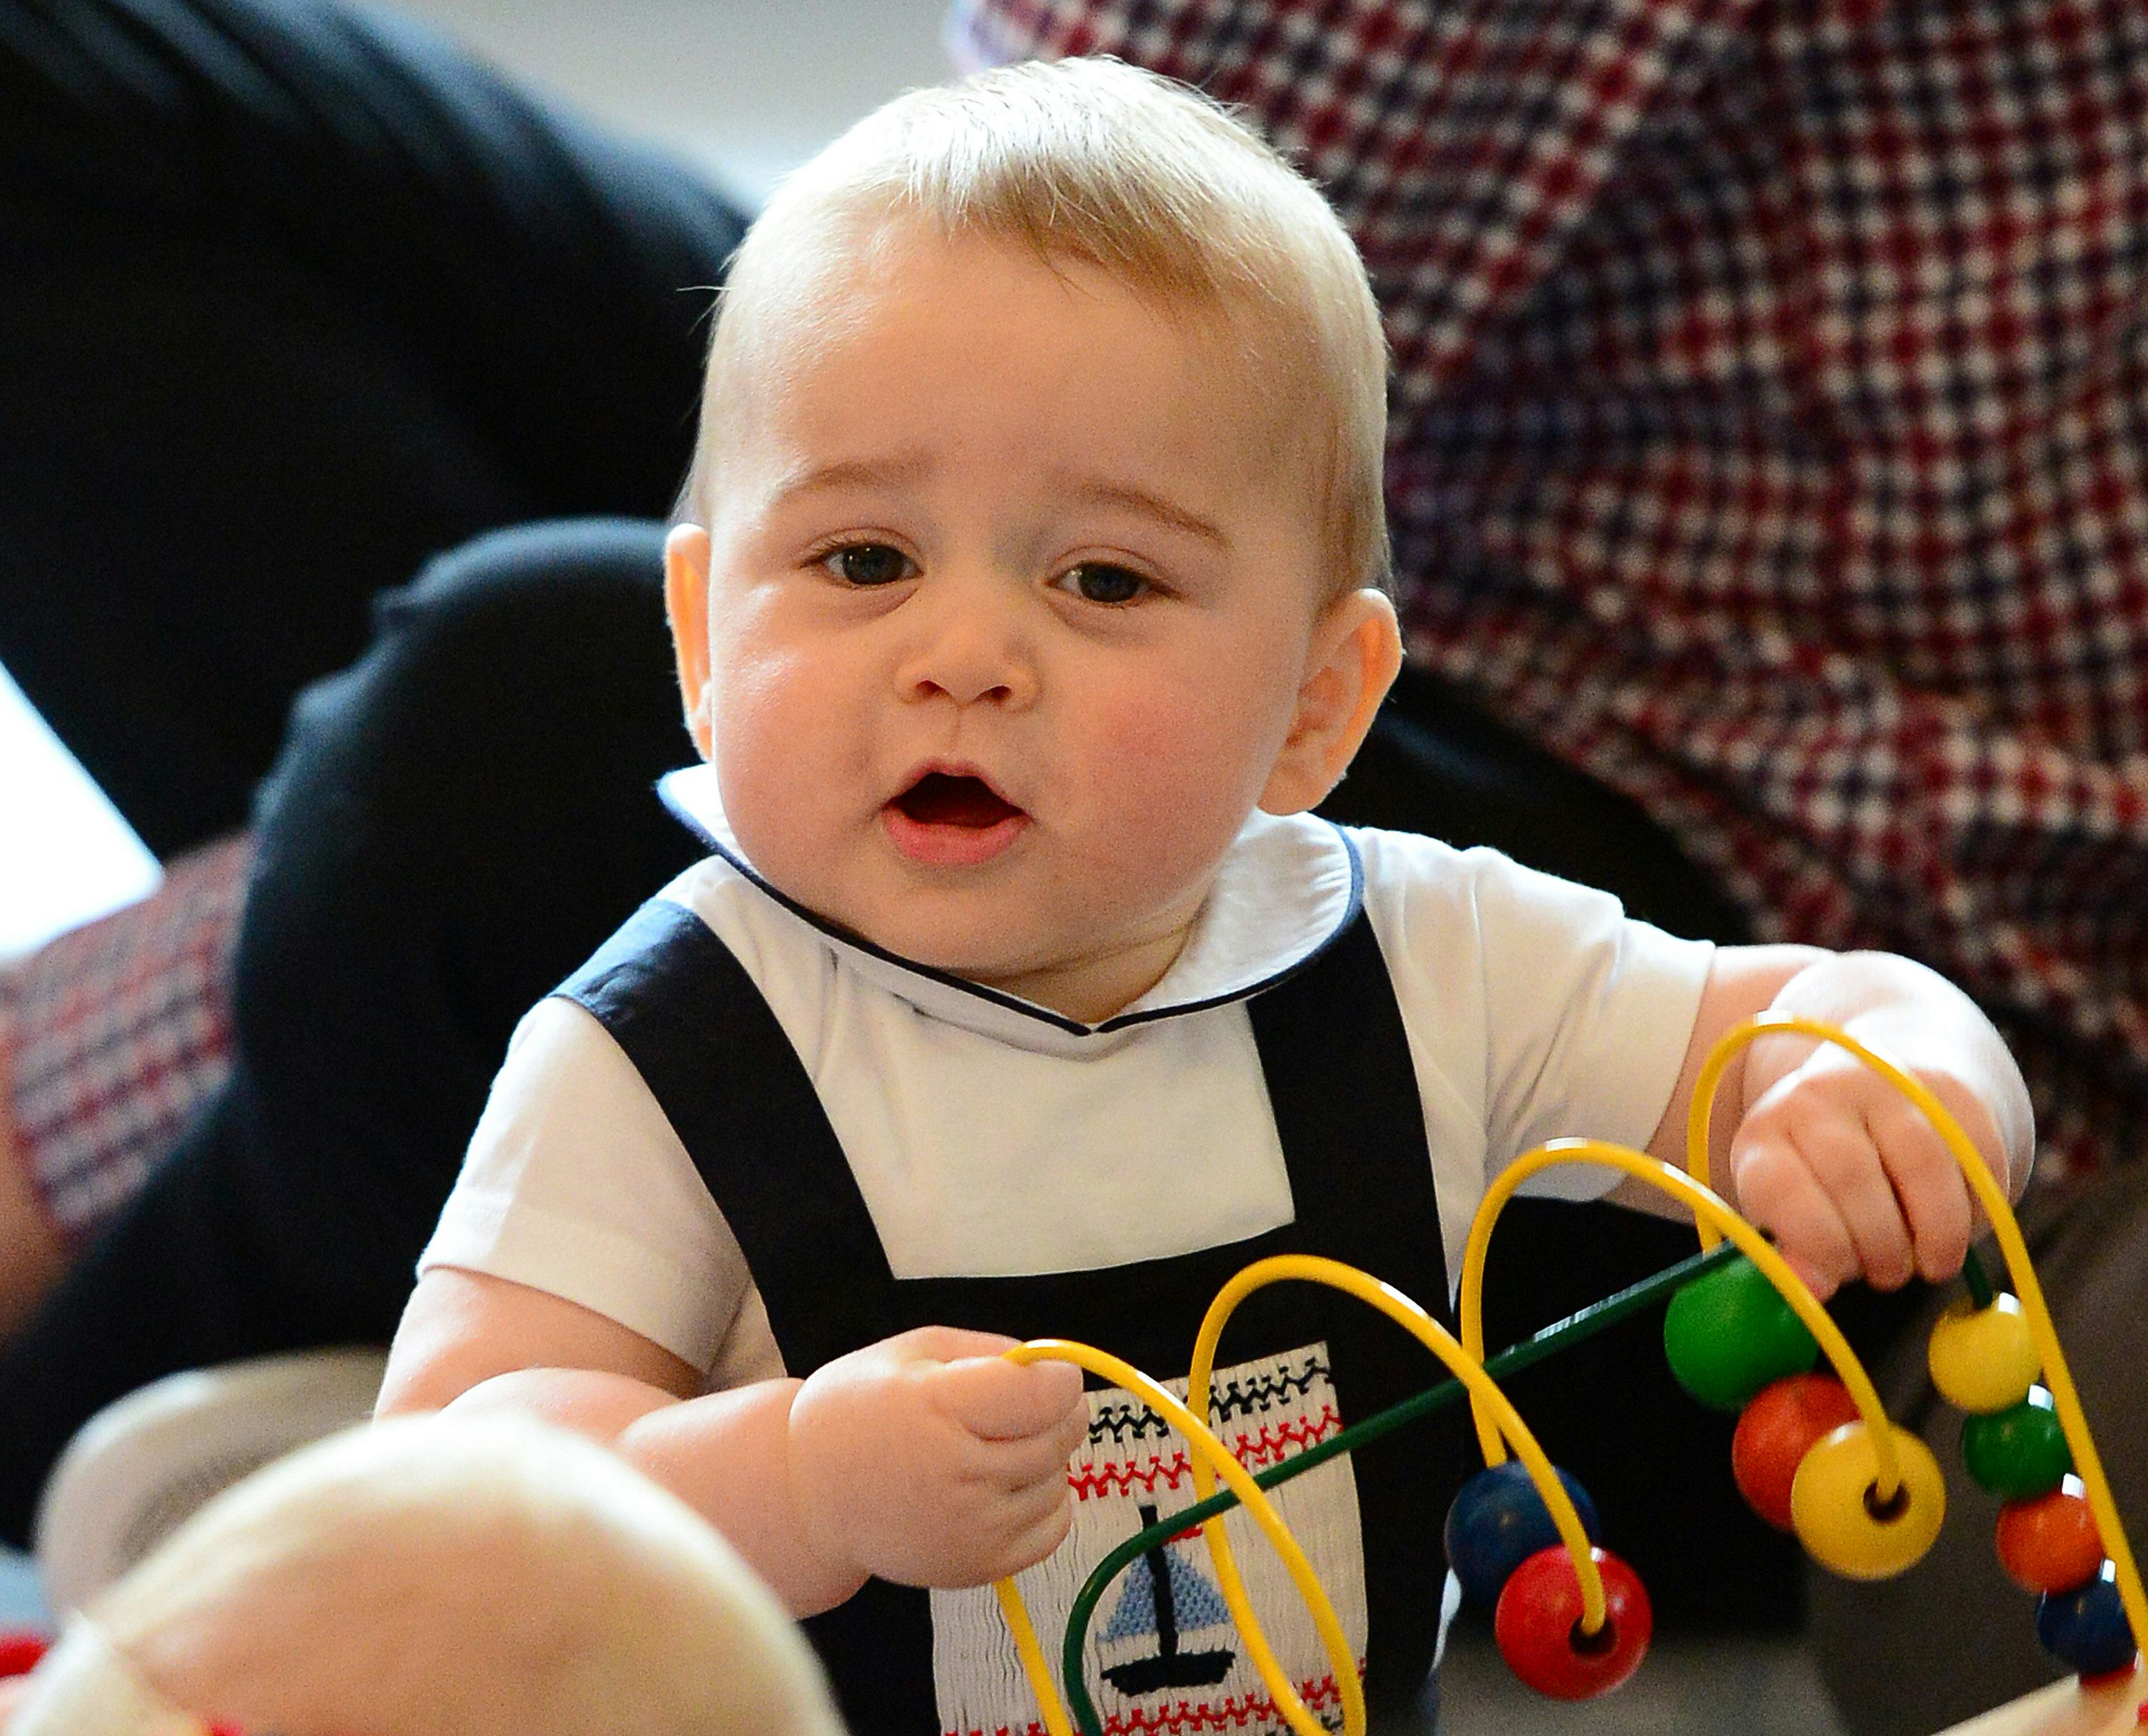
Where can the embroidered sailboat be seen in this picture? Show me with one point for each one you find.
(1165, 1597)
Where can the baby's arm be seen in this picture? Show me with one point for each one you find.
(1814, 1146)
(927, 1459)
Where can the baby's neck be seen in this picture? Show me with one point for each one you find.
(1092, 990)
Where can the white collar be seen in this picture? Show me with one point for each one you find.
(1288, 888)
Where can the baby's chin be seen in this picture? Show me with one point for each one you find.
(1082, 961)
(1090, 984)
(988, 961)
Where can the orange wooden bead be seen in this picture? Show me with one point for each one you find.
(2049, 1543)
(1537, 1626)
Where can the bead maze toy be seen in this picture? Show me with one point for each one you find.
(1813, 1453)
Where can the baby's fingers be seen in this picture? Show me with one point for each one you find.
(1928, 1185)
(998, 1400)
(1041, 1537)
(1843, 1158)
(1025, 1529)
(1039, 1460)
(1778, 1192)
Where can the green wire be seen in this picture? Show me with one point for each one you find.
(1978, 1280)
(1584, 1323)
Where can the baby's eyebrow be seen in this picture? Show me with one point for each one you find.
(1134, 498)
(902, 470)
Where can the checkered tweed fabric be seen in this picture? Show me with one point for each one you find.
(1770, 438)
(117, 1030)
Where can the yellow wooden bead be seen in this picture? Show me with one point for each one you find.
(1833, 1502)
(1984, 1360)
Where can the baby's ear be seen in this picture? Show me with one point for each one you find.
(1355, 653)
(686, 602)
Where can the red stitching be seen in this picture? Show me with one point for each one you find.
(1232, 1714)
(1275, 1441)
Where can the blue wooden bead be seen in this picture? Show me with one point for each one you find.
(2086, 1628)
(1498, 1520)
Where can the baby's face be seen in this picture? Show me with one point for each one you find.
(1013, 582)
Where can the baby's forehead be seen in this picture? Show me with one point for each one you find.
(831, 282)
(862, 288)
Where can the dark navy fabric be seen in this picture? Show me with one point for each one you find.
(1344, 1093)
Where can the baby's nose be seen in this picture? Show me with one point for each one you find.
(974, 650)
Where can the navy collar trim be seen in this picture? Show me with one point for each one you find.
(1014, 1003)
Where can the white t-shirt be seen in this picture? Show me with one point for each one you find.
(991, 1137)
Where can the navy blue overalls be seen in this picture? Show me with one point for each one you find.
(1344, 1095)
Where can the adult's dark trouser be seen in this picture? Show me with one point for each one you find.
(294, 298)
(458, 820)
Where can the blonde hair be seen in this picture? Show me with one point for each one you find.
(442, 1576)
(1094, 163)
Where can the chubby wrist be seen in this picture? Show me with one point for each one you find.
(728, 1455)
(805, 1472)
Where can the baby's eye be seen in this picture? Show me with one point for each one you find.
(1098, 581)
(867, 564)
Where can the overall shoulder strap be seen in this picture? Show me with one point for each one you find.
(700, 1033)
(1343, 1087)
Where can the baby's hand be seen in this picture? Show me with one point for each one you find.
(1853, 1181)
(929, 1459)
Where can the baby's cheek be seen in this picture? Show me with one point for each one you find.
(781, 756)
(1175, 766)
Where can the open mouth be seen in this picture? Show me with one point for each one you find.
(942, 798)
(951, 819)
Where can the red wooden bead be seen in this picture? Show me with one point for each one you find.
(1776, 1431)
(2049, 1543)
(1537, 1626)
(22, 1650)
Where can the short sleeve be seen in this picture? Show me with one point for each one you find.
(576, 1185)
(1588, 1014)
(1537, 1008)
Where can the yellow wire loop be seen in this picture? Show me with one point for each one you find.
(1497, 1424)
(1466, 1367)
(1206, 1453)
(2006, 1228)
(1712, 1211)
(1042, 1687)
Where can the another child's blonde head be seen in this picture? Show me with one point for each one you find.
(1096, 163)
(445, 1576)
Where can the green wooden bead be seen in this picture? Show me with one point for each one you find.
(2020, 1453)
(1730, 1333)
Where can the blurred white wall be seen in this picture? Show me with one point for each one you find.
(746, 87)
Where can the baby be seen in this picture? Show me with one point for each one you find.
(1029, 595)
(434, 1577)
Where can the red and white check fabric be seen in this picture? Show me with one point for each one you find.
(1770, 437)
(116, 1032)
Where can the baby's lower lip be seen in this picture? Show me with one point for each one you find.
(950, 847)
